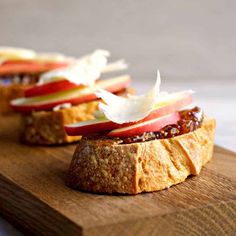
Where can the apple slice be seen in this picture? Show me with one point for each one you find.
(97, 125)
(17, 62)
(170, 105)
(12, 53)
(146, 126)
(48, 88)
(90, 127)
(28, 67)
(73, 96)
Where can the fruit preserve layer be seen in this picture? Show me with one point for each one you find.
(191, 119)
(24, 79)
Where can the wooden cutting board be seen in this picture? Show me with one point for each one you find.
(34, 198)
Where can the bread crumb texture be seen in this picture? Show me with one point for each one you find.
(108, 167)
(47, 127)
(8, 93)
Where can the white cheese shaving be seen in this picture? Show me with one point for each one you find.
(11, 53)
(61, 106)
(115, 66)
(84, 71)
(74, 73)
(123, 110)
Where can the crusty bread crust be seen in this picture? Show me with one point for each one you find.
(8, 93)
(108, 167)
(47, 127)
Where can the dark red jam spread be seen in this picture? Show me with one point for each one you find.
(18, 79)
(191, 119)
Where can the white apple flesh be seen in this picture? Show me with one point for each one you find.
(50, 88)
(152, 125)
(90, 127)
(28, 67)
(97, 125)
(181, 99)
(73, 96)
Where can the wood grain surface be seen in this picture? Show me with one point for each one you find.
(34, 198)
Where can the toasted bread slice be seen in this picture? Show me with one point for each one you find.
(8, 93)
(109, 167)
(47, 127)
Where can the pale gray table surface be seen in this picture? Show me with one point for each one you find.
(191, 42)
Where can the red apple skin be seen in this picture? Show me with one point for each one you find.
(107, 125)
(28, 67)
(96, 127)
(49, 106)
(27, 108)
(152, 125)
(18, 62)
(184, 100)
(48, 88)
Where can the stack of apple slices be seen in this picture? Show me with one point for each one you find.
(47, 96)
(127, 117)
(74, 84)
(24, 61)
(28, 67)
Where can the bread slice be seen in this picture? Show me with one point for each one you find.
(47, 127)
(8, 93)
(109, 167)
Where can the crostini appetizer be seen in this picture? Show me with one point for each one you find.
(140, 143)
(20, 68)
(66, 95)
